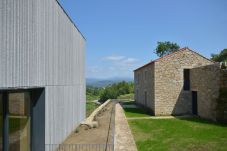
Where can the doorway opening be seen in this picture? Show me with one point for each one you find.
(194, 102)
(17, 116)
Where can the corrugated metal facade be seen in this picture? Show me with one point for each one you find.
(40, 47)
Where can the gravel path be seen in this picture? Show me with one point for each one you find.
(158, 117)
(95, 135)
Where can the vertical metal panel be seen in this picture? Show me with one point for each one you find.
(41, 47)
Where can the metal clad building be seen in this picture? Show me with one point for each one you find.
(42, 53)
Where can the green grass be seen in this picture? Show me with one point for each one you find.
(90, 107)
(91, 97)
(126, 96)
(189, 134)
(136, 112)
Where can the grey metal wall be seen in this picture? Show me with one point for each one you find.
(41, 47)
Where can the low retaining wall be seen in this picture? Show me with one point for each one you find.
(90, 121)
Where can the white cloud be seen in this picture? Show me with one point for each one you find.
(130, 60)
(121, 60)
(114, 58)
(113, 66)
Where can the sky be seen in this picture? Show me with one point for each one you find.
(121, 35)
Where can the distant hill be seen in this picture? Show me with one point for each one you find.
(105, 82)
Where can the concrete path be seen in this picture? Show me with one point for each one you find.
(124, 140)
(157, 117)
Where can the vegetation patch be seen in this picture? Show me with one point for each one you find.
(90, 107)
(117, 89)
(179, 134)
(93, 93)
(129, 96)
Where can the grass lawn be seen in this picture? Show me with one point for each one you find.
(91, 97)
(189, 134)
(90, 107)
(126, 96)
(135, 112)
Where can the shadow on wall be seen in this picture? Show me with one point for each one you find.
(145, 108)
(208, 101)
(183, 104)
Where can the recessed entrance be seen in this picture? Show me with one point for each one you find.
(17, 117)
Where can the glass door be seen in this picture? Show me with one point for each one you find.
(19, 121)
(15, 121)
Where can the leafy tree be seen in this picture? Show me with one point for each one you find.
(116, 89)
(165, 48)
(93, 93)
(222, 57)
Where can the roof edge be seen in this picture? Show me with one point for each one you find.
(201, 55)
(70, 19)
(166, 56)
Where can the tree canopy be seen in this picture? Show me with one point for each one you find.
(165, 48)
(221, 57)
(116, 89)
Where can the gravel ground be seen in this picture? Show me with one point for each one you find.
(99, 135)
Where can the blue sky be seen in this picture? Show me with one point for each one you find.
(122, 34)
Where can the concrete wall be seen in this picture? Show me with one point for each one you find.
(144, 82)
(170, 98)
(207, 81)
(41, 47)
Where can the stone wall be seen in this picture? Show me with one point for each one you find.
(170, 98)
(144, 82)
(224, 79)
(222, 100)
(206, 81)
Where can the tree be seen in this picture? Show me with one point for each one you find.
(116, 89)
(222, 57)
(165, 48)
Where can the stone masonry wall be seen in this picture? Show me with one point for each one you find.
(170, 98)
(144, 82)
(224, 79)
(206, 81)
(222, 100)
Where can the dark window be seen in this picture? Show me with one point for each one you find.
(186, 79)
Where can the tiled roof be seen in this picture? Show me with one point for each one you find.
(159, 59)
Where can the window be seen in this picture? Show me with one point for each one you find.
(186, 79)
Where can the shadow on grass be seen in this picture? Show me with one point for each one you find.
(128, 103)
(137, 111)
(202, 121)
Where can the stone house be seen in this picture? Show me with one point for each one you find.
(183, 82)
